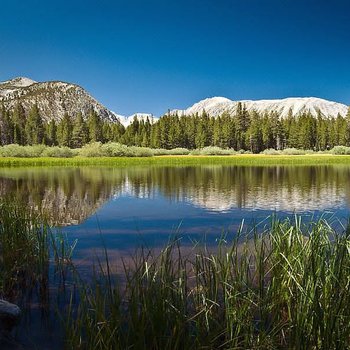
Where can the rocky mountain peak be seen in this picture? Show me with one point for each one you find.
(54, 99)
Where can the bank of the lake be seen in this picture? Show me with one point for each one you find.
(190, 160)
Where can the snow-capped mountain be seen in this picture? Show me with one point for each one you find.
(54, 98)
(126, 121)
(216, 106)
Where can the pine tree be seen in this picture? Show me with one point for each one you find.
(19, 121)
(6, 136)
(307, 131)
(242, 117)
(347, 134)
(94, 127)
(79, 132)
(254, 134)
(65, 131)
(34, 127)
(51, 133)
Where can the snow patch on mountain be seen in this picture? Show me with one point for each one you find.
(126, 121)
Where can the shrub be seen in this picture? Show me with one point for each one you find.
(270, 152)
(178, 151)
(160, 151)
(135, 151)
(59, 152)
(15, 150)
(174, 151)
(34, 151)
(213, 150)
(294, 152)
(195, 152)
(114, 149)
(339, 150)
(91, 150)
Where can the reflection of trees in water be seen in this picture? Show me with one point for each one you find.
(65, 195)
(70, 195)
(281, 187)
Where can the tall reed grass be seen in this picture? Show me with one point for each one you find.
(286, 287)
(24, 248)
(27, 248)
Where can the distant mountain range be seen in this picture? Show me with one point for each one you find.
(216, 106)
(55, 98)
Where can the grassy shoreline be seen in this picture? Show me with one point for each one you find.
(184, 160)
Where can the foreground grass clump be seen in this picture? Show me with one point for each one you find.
(27, 248)
(24, 249)
(287, 287)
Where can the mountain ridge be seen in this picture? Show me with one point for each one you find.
(55, 98)
(215, 106)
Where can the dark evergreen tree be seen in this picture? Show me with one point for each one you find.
(79, 132)
(64, 131)
(94, 125)
(19, 121)
(34, 127)
(51, 133)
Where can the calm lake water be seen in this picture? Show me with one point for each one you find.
(125, 208)
(145, 205)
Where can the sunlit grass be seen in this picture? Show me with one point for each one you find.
(187, 160)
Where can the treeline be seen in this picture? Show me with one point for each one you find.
(252, 131)
(243, 130)
(72, 131)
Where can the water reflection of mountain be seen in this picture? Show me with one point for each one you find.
(218, 188)
(70, 195)
(66, 195)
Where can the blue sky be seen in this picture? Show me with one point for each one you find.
(148, 56)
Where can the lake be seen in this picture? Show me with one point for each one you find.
(125, 208)
(145, 205)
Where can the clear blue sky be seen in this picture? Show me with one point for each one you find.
(148, 56)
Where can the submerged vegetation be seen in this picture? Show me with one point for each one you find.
(284, 285)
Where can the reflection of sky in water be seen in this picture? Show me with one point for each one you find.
(126, 222)
(128, 207)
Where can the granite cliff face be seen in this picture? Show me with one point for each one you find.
(54, 99)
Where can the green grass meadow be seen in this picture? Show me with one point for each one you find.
(186, 160)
